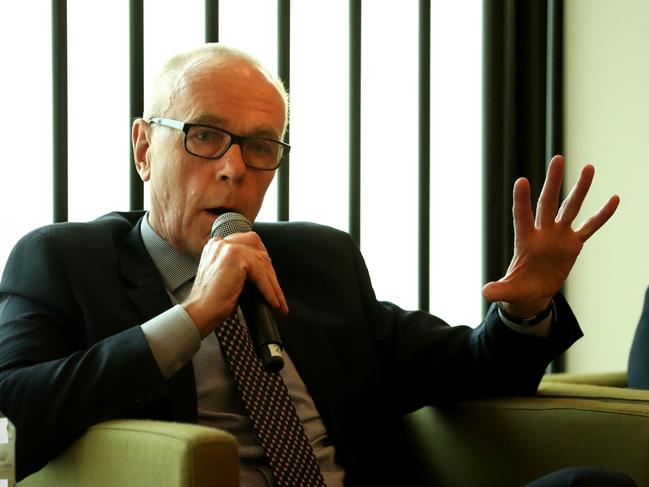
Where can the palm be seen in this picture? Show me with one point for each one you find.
(546, 246)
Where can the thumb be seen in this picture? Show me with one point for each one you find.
(499, 291)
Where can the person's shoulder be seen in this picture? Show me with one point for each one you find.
(308, 245)
(107, 228)
(60, 247)
(301, 232)
(114, 223)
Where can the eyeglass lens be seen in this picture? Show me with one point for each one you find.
(211, 142)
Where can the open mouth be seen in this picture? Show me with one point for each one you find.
(218, 211)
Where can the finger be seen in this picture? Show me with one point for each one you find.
(251, 239)
(572, 204)
(503, 290)
(210, 250)
(549, 198)
(277, 295)
(256, 241)
(211, 242)
(595, 222)
(246, 252)
(522, 210)
(264, 277)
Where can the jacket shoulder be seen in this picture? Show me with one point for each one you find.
(111, 226)
(49, 246)
(310, 249)
(302, 233)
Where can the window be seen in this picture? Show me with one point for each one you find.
(26, 122)
(456, 155)
(99, 137)
(98, 105)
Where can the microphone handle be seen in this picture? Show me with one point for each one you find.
(265, 337)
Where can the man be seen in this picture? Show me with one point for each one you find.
(123, 316)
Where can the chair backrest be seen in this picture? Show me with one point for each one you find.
(512, 441)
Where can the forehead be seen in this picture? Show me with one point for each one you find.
(231, 90)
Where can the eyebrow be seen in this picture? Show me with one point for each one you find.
(216, 121)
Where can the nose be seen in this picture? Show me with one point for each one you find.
(231, 166)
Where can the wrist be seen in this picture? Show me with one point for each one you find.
(204, 321)
(525, 319)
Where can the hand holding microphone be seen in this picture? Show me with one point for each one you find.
(235, 269)
(256, 311)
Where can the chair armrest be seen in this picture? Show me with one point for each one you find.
(610, 379)
(512, 441)
(146, 454)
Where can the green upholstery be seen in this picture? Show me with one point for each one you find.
(144, 454)
(511, 441)
(610, 379)
(491, 442)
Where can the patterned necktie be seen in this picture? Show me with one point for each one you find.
(272, 412)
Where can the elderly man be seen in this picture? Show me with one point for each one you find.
(135, 314)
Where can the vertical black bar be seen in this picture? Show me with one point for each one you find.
(355, 119)
(284, 69)
(554, 105)
(60, 109)
(493, 59)
(424, 155)
(554, 100)
(498, 129)
(136, 88)
(211, 20)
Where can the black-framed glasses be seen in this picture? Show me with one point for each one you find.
(212, 142)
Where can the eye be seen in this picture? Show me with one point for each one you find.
(260, 146)
(207, 135)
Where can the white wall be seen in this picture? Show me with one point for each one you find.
(607, 124)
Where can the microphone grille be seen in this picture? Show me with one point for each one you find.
(229, 223)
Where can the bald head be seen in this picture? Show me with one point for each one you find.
(174, 73)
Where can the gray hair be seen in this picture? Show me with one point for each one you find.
(171, 73)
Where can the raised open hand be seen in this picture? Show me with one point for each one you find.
(545, 247)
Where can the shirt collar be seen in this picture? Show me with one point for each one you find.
(174, 268)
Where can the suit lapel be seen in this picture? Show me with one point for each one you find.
(148, 295)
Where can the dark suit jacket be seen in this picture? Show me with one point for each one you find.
(72, 353)
(638, 371)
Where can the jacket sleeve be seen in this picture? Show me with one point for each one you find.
(424, 360)
(402, 359)
(56, 380)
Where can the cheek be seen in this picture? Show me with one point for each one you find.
(163, 185)
(263, 182)
(257, 198)
(169, 188)
(195, 185)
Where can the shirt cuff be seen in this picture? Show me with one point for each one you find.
(540, 329)
(173, 338)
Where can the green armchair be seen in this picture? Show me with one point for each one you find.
(144, 454)
(491, 442)
(574, 420)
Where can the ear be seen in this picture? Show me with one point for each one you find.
(141, 135)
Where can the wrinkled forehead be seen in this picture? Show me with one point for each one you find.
(209, 81)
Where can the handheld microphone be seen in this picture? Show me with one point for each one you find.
(257, 312)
